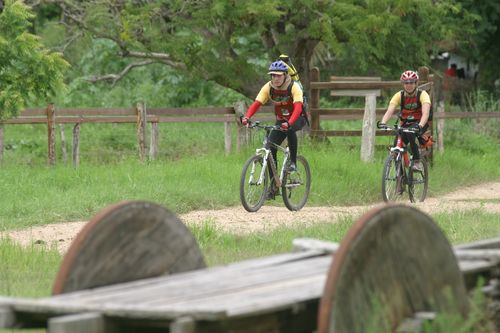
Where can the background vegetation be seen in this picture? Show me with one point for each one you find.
(177, 54)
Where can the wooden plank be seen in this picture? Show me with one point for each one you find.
(79, 323)
(7, 317)
(355, 78)
(355, 92)
(492, 255)
(207, 294)
(492, 243)
(193, 119)
(346, 111)
(25, 120)
(85, 112)
(306, 244)
(191, 111)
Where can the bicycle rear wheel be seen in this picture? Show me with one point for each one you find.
(393, 185)
(418, 183)
(252, 192)
(297, 185)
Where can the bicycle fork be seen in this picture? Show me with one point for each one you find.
(266, 156)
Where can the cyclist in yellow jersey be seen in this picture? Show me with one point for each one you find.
(414, 113)
(287, 97)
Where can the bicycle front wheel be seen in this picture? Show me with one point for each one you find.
(418, 183)
(297, 185)
(393, 185)
(253, 187)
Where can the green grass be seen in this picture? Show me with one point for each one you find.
(192, 172)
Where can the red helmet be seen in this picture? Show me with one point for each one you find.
(409, 76)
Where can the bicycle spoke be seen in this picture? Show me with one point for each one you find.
(418, 184)
(297, 185)
(393, 181)
(253, 184)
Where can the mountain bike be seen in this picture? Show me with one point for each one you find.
(398, 175)
(255, 181)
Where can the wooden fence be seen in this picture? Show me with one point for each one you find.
(367, 87)
(138, 115)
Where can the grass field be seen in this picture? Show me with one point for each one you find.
(192, 172)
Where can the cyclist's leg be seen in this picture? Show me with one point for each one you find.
(276, 137)
(411, 139)
(292, 138)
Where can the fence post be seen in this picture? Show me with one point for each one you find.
(1, 143)
(440, 126)
(63, 144)
(242, 137)
(153, 149)
(227, 137)
(51, 131)
(314, 77)
(368, 131)
(141, 129)
(76, 145)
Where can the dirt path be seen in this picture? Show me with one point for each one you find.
(237, 220)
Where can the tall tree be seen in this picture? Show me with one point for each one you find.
(232, 42)
(483, 44)
(28, 71)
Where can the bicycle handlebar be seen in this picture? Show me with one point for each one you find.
(253, 124)
(397, 129)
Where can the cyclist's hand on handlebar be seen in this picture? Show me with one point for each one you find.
(382, 126)
(284, 126)
(244, 121)
(415, 128)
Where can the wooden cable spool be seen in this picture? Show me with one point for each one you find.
(128, 241)
(393, 263)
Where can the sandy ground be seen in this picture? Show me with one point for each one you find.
(236, 220)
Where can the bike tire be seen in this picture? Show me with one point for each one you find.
(418, 183)
(252, 194)
(296, 185)
(393, 184)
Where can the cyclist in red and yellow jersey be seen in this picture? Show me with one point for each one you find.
(287, 97)
(414, 106)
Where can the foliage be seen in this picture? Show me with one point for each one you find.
(232, 42)
(27, 70)
(482, 44)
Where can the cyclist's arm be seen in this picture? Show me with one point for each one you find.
(298, 100)
(425, 101)
(297, 111)
(393, 104)
(261, 99)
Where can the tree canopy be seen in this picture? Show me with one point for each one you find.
(232, 42)
(27, 70)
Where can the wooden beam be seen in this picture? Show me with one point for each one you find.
(7, 317)
(78, 323)
(307, 244)
(183, 325)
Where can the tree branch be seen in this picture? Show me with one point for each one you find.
(116, 77)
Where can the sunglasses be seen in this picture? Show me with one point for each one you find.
(409, 82)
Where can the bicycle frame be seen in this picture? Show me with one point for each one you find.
(261, 167)
(404, 175)
(265, 152)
